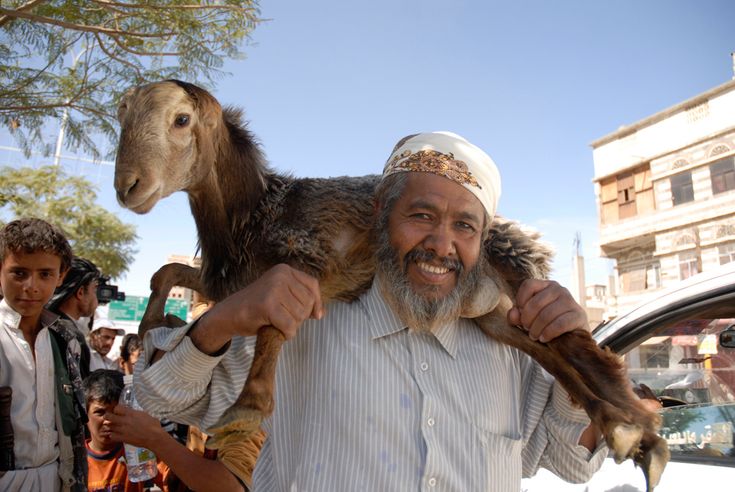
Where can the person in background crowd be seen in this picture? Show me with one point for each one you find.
(130, 349)
(101, 339)
(105, 454)
(75, 299)
(110, 425)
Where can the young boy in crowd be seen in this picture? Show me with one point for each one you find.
(105, 455)
(178, 467)
(39, 364)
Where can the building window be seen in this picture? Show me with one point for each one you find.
(727, 253)
(681, 188)
(688, 264)
(722, 174)
(653, 276)
(633, 280)
(626, 196)
(641, 278)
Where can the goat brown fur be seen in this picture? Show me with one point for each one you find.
(175, 136)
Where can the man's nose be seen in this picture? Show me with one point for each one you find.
(440, 241)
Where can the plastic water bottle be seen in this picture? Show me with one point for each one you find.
(141, 462)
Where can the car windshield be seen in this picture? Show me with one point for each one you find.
(693, 377)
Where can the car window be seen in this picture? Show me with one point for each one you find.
(693, 377)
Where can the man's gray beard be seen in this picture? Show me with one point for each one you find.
(418, 312)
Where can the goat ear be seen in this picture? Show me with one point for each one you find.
(210, 111)
(122, 107)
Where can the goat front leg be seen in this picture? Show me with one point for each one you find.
(255, 402)
(162, 281)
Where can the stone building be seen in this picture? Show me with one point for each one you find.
(665, 189)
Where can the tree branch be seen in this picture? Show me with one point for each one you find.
(142, 53)
(82, 108)
(4, 19)
(79, 107)
(79, 27)
(38, 73)
(115, 57)
(33, 107)
(174, 7)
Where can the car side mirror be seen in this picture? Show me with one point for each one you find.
(727, 337)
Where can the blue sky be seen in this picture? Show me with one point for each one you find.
(329, 86)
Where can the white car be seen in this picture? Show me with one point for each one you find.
(681, 344)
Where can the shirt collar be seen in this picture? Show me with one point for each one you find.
(11, 318)
(385, 322)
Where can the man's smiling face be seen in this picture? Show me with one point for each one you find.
(435, 228)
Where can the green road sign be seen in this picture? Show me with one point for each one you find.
(133, 307)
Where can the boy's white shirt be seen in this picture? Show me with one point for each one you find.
(33, 403)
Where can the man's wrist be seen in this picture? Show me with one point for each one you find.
(208, 341)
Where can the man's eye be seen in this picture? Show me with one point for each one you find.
(465, 226)
(421, 216)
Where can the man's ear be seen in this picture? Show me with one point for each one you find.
(80, 292)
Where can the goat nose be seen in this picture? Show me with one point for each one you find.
(125, 183)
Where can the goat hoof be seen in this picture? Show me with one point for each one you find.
(624, 441)
(235, 424)
(653, 461)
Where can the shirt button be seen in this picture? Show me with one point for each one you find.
(430, 422)
(424, 366)
(432, 482)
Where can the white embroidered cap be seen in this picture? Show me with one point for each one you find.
(449, 155)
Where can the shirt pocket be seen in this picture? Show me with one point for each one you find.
(502, 458)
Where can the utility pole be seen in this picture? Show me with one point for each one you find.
(65, 114)
(579, 291)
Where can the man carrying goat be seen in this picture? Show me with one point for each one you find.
(394, 391)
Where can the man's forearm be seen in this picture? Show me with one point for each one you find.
(197, 472)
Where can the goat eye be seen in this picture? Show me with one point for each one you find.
(181, 120)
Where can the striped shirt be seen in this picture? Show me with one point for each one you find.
(362, 403)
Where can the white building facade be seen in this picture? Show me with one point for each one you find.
(665, 189)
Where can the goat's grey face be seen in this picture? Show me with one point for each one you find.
(157, 153)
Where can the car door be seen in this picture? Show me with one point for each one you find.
(672, 346)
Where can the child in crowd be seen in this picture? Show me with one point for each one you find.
(130, 350)
(43, 447)
(105, 455)
(111, 425)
